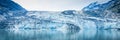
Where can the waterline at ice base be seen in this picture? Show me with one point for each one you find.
(97, 21)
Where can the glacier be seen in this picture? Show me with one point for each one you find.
(93, 17)
(58, 20)
(7, 6)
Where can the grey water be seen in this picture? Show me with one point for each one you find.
(59, 35)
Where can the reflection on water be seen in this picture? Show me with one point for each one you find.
(59, 35)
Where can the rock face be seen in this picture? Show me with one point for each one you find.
(115, 7)
(111, 8)
(10, 6)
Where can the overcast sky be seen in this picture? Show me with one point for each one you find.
(55, 5)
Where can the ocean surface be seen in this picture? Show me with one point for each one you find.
(59, 35)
